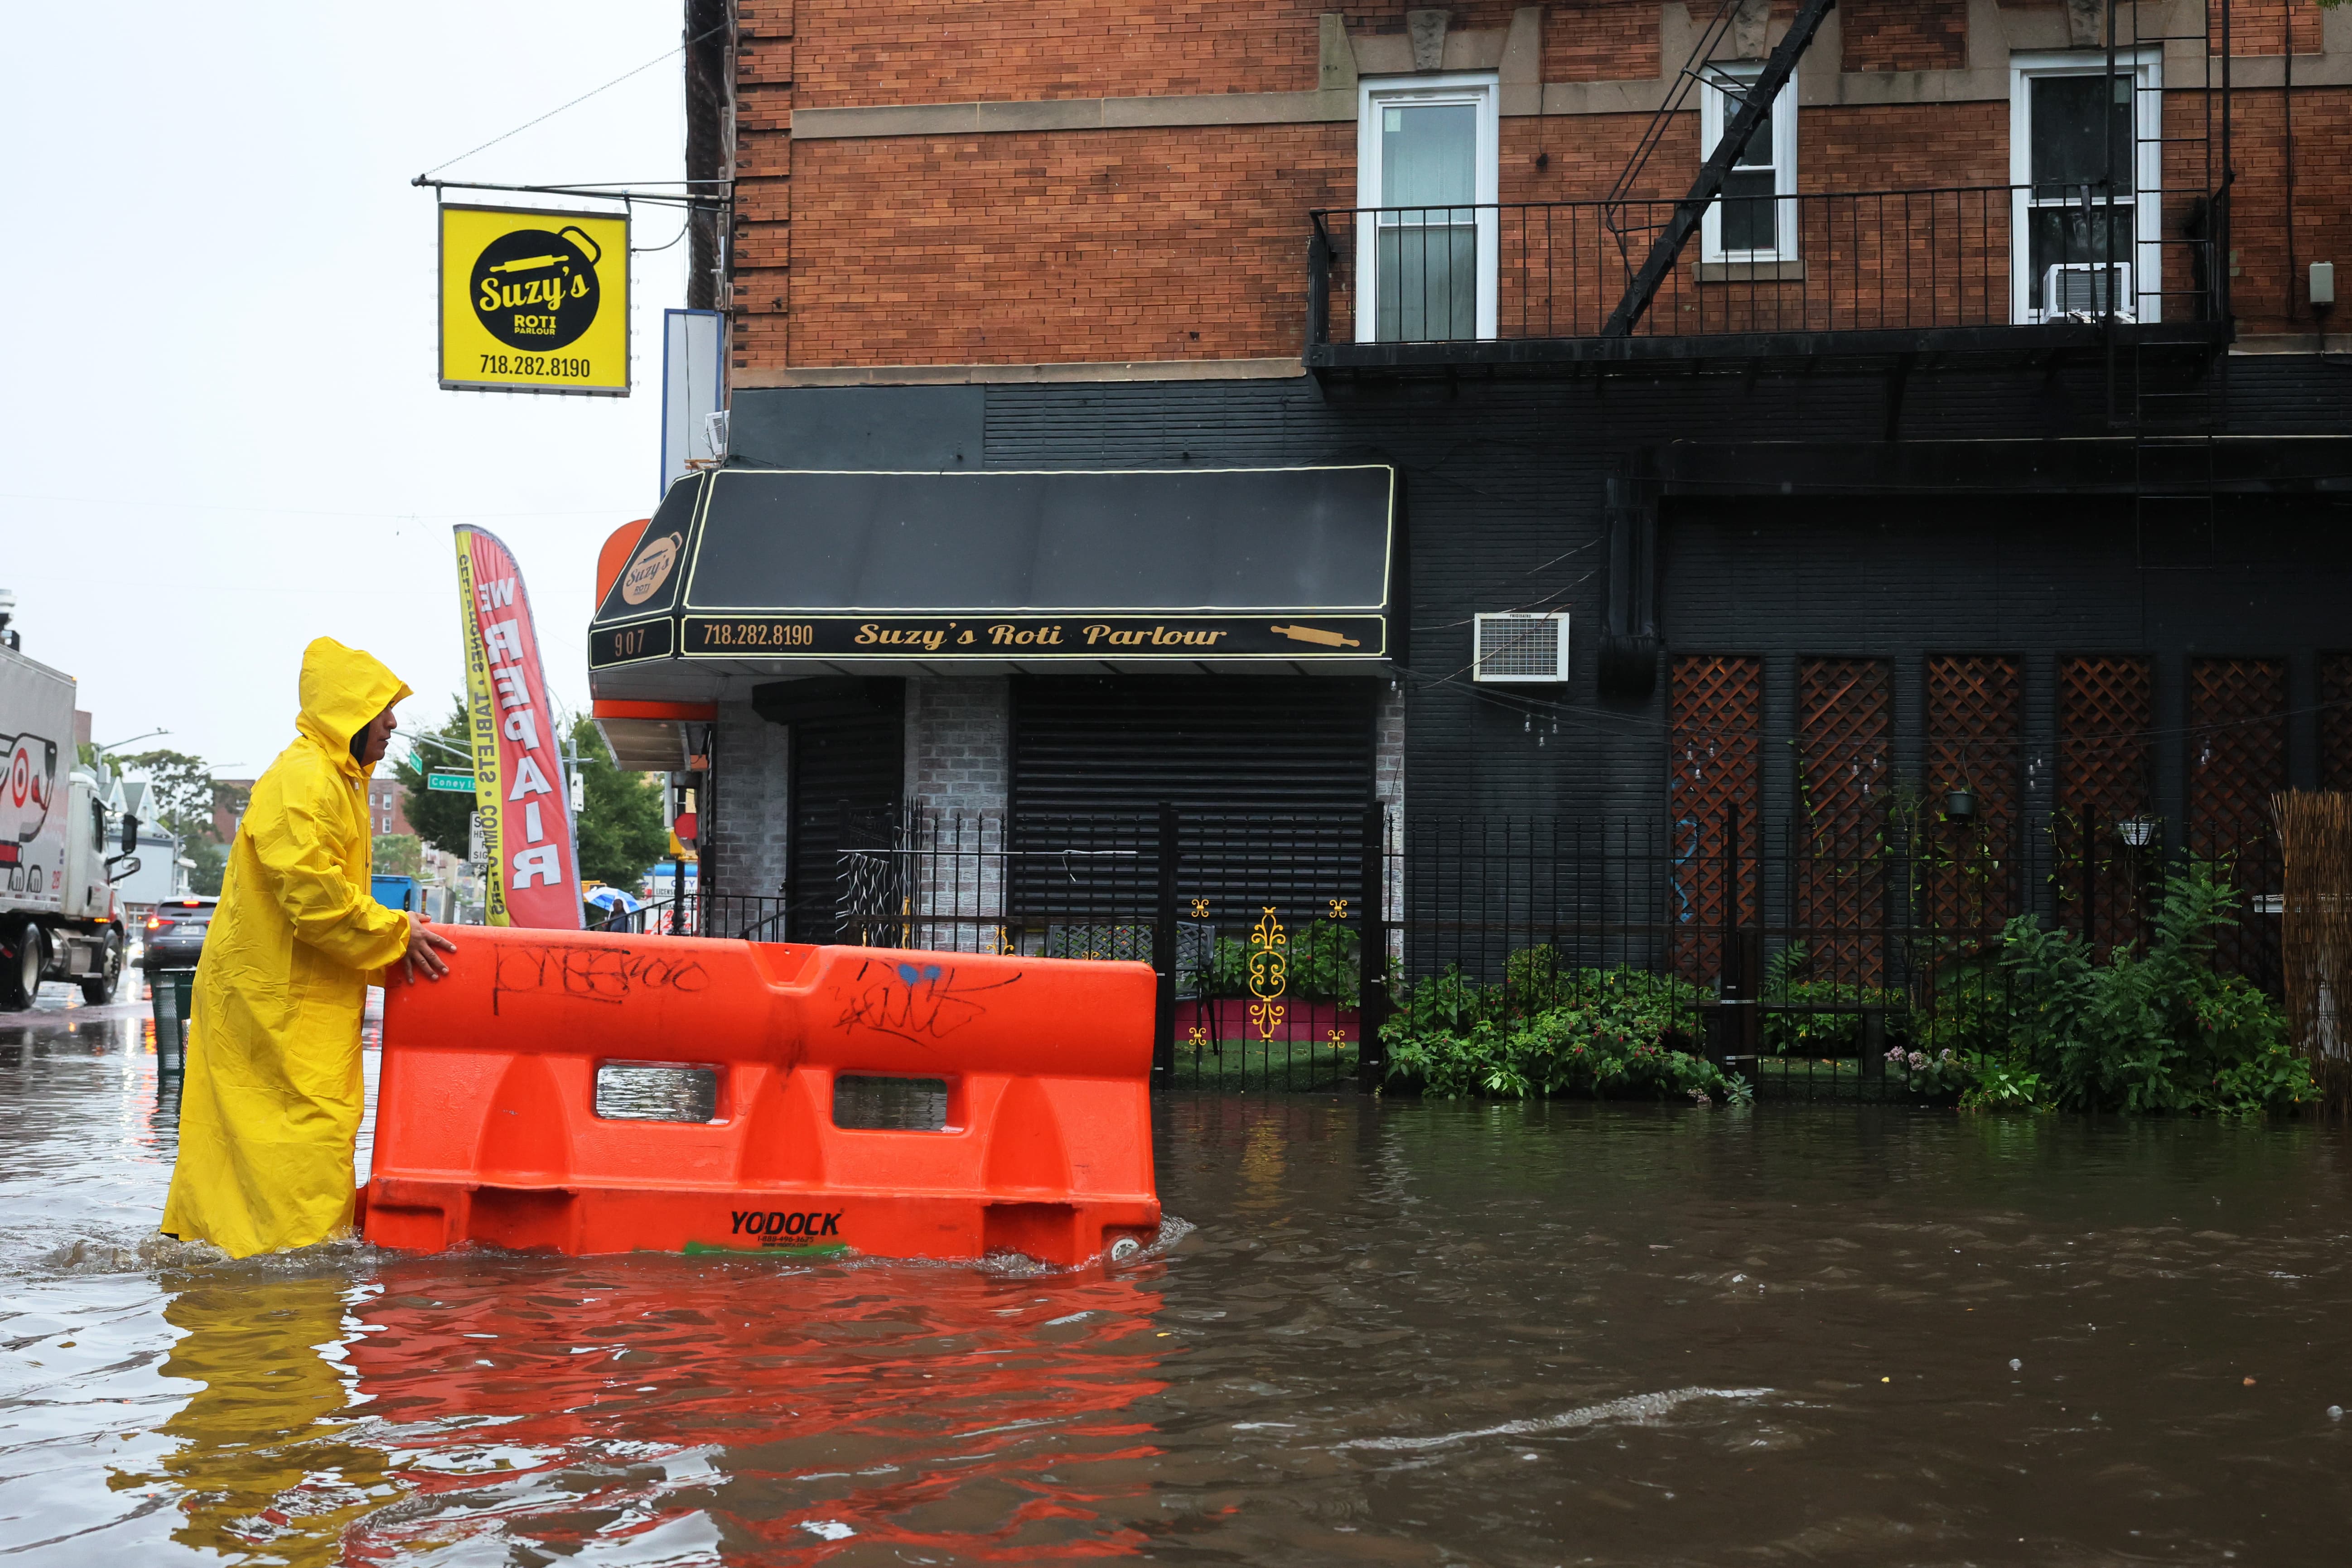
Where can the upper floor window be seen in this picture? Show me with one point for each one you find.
(2084, 170)
(1756, 218)
(1425, 237)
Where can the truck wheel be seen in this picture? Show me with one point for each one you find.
(98, 989)
(20, 977)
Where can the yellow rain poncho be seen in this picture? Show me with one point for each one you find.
(269, 1110)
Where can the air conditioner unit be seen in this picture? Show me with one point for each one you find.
(1515, 647)
(2082, 290)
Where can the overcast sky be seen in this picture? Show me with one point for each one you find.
(219, 418)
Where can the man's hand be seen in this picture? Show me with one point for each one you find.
(422, 941)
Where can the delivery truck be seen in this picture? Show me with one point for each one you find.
(60, 912)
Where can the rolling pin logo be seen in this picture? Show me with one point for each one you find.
(1315, 635)
(533, 290)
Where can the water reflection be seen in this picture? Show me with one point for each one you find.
(939, 1410)
(1411, 1332)
(269, 1452)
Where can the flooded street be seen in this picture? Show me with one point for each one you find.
(1396, 1333)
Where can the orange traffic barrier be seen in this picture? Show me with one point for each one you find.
(591, 1092)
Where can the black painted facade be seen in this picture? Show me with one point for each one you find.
(1508, 489)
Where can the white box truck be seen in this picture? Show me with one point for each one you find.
(60, 914)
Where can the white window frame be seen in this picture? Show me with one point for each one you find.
(1376, 93)
(2146, 67)
(1712, 102)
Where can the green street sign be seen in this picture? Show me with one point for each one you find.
(454, 783)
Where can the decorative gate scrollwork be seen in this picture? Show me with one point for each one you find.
(1269, 973)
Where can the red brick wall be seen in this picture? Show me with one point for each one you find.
(1072, 246)
(1904, 35)
(1126, 244)
(1602, 40)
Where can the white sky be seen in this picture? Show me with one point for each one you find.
(220, 435)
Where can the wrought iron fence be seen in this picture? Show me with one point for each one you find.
(1798, 955)
(1934, 257)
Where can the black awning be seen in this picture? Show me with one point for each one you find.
(776, 570)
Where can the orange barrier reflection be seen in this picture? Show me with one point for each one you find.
(944, 1412)
(596, 1093)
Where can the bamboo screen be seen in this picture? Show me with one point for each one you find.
(2316, 939)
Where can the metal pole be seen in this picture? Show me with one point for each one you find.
(1373, 1010)
(1164, 950)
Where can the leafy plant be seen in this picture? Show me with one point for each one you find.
(1999, 1086)
(1613, 1033)
(2156, 1029)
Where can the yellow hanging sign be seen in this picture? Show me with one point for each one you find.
(534, 302)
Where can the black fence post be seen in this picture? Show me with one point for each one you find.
(1372, 982)
(1164, 950)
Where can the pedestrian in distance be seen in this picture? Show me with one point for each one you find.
(269, 1108)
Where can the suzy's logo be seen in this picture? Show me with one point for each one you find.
(650, 568)
(533, 290)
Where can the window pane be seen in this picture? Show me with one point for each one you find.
(2074, 118)
(1427, 275)
(1749, 210)
(1757, 153)
(2068, 234)
(1429, 155)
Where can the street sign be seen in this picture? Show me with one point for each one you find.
(454, 783)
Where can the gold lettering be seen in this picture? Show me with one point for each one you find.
(866, 635)
(931, 640)
(1056, 640)
(1126, 639)
(965, 638)
(1000, 635)
(1095, 634)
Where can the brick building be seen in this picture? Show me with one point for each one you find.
(1981, 435)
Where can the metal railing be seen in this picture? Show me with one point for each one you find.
(1935, 258)
(1795, 952)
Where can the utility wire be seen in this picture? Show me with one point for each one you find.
(667, 54)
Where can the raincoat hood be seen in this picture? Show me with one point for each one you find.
(342, 688)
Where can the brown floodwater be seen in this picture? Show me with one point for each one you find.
(1382, 1332)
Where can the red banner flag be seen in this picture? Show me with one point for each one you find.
(520, 789)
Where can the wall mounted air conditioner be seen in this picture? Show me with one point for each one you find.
(1514, 647)
(2080, 290)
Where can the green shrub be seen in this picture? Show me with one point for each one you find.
(1610, 1032)
(2151, 1030)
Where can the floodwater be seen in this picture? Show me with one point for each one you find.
(1394, 1333)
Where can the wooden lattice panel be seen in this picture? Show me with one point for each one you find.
(1846, 732)
(2237, 761)
(1975, 720)
(1715, 746)
(2237, 751)
(2106, 710)
(2107, 707)
(2335, 721)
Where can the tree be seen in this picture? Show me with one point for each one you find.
(443, 819)
(398, 854)
(181, 789)
(620, 825)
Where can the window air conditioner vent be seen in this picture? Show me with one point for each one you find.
(2082, 290)
(1521, 648)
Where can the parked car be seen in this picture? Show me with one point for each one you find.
(176, 931)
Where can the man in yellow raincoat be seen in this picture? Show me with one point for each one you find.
(270, 1111)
